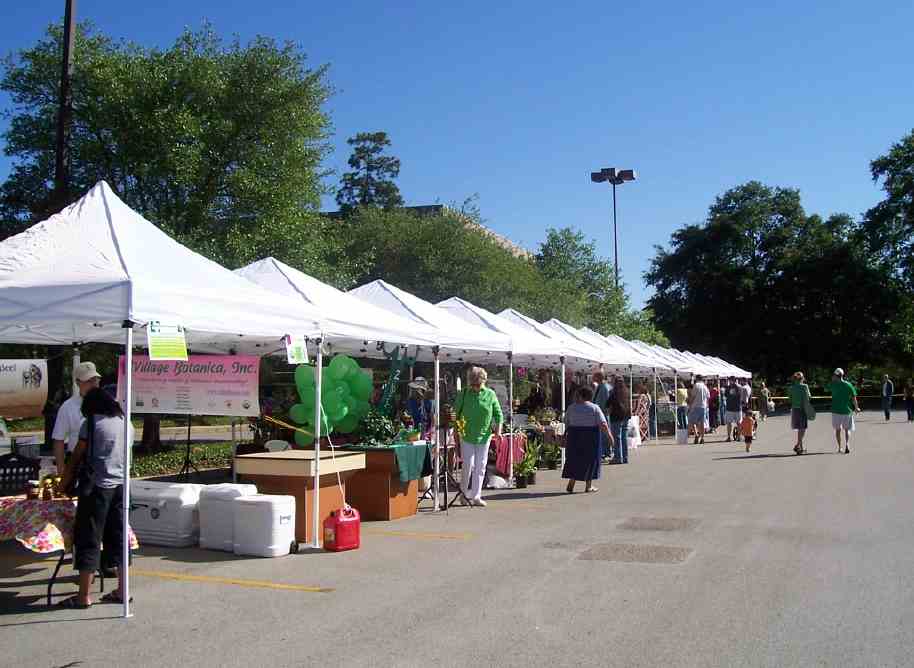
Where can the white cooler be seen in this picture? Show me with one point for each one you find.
(264, 525)
(165, 513)
(217, 514)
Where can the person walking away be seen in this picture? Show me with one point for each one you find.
(799, 398)
(765, 393)
(698, 409)
(584, 422)
(909, 399)
(478, 406)
(98, 530)
(745, 396)
(602, 392)
(682, 405)
(714, 408)
(747, 429)
(888, 390)
(734, 413)
(843, 406)
(70, 418)
(619, 415)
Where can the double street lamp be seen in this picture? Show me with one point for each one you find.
(616, 177)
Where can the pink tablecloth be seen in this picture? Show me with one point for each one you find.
(501, 451)
(41, 526)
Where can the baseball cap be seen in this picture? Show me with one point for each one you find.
(839, 371)
(86, 371)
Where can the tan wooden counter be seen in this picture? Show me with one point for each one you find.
(292, 472)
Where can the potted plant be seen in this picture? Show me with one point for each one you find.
(524, 468)
(552, 455)
(532, 455)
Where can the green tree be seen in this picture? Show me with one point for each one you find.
(219, 144)
(888, 232)
(567, 257)
(770, 288)
(437, 256)
(889, 226)
(371, 183)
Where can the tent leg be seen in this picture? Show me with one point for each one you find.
(510, 420)
(128, 448)
(316, 493)
(562, 417)
(656, 432)
(631, 390)
(675, 404)
(76, 361)
(438, 444)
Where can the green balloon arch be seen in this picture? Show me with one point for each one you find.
(345, 391)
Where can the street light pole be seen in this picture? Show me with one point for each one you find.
(65, 111)
(615, 177)
(615, 237)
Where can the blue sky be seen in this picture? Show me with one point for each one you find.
(518, 102)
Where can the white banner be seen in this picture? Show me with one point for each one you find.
(203, 385)
(23, 387)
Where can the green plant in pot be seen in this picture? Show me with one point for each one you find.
(552, 455)
(525, 468)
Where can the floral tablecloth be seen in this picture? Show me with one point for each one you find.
(41, 526)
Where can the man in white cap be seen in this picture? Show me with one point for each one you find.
(843, 406)
(70, 417)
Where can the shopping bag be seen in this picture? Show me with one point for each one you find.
(808, 408)
(634, 433)
(682, 437)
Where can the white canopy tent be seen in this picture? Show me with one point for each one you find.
(578, 355)
(455, 339)
(348, 323)
(681, 363)
(97, 271)
(631, 357)
(732, 369)
(527, 347)
(458, 340)
(80, 274)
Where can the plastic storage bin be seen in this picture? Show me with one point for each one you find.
(264, 525)
(217, 514)
(165, 513)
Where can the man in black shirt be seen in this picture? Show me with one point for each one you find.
(734, 406)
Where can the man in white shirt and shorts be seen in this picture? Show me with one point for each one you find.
(70, 417)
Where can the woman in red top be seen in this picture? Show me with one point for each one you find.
(714, 408)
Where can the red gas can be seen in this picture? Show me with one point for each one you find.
(342, 530)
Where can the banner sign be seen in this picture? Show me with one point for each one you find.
(203, 385)
(296, 349)
(23, 388)
(166, 342)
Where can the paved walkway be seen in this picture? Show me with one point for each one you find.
(689, 556)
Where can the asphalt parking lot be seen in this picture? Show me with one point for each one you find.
(689, 556)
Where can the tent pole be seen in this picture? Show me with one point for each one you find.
(510, 419)
(438, 429)
(631, 390)
(128, 448)
(675, 403)
(562, 416)
(76, 361)
(656, 432)
(316, 494)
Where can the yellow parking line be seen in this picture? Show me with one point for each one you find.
(416, 534)
(260, 584)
